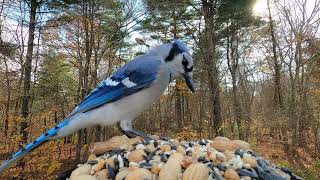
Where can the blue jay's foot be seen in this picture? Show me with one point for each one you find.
(132, 133)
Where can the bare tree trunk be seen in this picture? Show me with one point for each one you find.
(201, 112)
(233, 66)
(7, 106)
(209, 8)
(21, 61)
(87, 12)
(178, 91)
(98, 129)
(317, 138)
(297, 90)
(246, 103)
(277, 67)
(79, 145)
(88, 47)
(178, 104)
(237, 110)
(27, 76)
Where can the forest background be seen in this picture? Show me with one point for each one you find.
(257, 74)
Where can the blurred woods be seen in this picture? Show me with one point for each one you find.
(257, 76)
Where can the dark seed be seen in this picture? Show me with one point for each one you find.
(210, 165)
(116, 166)
(239, 152)
(145, 165)
(164, 138)
(149, 156)
(111, 173)
(202, 159)
(253, 153)
(292, 175)
(189, 153)
(115, 152)
(92, 162)
(145, 142)
(202, 142)
(247, 172)
(125, 162)
(221, 167)
(164, 158)
(263, 163)
(263, 174)
(135, 144)
(155, 143)
(119, 151)
(122, 154)
(217, 176)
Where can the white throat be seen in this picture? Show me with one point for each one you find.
(175, 66)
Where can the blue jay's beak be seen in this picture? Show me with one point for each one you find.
(189, 81)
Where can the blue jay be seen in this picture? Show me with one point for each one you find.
(121, 97)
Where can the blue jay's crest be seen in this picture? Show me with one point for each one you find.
(178, 47)
(181, 45)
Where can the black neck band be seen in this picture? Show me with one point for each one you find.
(173, 52)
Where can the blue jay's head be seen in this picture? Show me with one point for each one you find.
(180, 62)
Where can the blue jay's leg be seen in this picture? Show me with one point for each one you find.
(126, 127)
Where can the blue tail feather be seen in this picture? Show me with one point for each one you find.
(32, 146)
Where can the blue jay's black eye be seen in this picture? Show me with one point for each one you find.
(185, 63)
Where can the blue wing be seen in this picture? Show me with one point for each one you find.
(141, 71)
